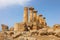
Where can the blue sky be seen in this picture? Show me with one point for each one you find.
(12, 11)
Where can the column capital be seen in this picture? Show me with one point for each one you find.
(25, 7)
(44, 18)
(31, 8)
(40, 15)
(34, 11)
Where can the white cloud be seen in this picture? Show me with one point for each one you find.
(4, 3)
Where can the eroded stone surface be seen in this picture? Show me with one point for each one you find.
(34, 28)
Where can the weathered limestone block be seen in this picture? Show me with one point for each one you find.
(30, 25)
(11, 34)
(1, 36)
(12, 29)
(27, 38)
(42, 31)
(34, 27)
(50, 31)
(21, 27)
(4, 27)
(57, 32)
(16, 27)
(56, 26)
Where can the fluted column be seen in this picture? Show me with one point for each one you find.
(31, 13)
(34, 20)
(25, 14)
(40, 18)
(34, 15)
(37, 19)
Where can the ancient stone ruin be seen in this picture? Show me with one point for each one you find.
(33, 27)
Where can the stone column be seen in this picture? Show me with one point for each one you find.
(25, 14)
(34, 15)
(31, 13)
(38, 22)
(44, 21)
(37, 19)
(34, 20)
(16, 27)
(4, 27)
(40, 18)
